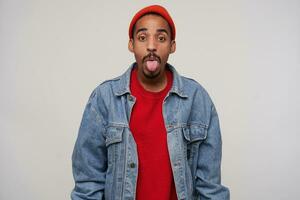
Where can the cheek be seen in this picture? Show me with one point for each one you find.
(165, 53)
(143, 52)
(165, 49)
(139, 56)
(139, 49)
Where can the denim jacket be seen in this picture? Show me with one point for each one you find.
(105, 160)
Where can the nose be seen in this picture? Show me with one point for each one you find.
(151, 45)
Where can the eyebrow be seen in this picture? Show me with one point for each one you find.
(158, 30)
(141, 29)
(163, 30)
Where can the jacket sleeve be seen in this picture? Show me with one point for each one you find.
(208, 172)
(89, 159)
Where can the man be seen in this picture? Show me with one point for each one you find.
(149, 134)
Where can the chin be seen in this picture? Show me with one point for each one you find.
(151, 75)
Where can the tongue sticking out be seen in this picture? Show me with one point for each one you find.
(152, 65)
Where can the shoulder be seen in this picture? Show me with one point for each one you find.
(107, 85)
(101, 95)
(190, 85)
(109, 81)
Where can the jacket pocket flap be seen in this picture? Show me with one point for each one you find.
(114, 135)
(194, 133)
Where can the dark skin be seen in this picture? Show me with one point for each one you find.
(152, 41)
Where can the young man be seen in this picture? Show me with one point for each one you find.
(149, 134)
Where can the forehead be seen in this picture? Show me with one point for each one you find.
(152, 21)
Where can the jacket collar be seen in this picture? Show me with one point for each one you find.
(123, 85)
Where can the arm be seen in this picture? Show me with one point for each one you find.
(89, 159)
(208, 172)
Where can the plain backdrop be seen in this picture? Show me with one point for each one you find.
(246, 53)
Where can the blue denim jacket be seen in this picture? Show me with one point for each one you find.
(105, 160)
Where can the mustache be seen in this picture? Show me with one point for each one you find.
(152, 55)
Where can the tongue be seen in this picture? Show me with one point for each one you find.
(152, 65)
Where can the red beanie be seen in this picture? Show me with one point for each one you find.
(153, 9)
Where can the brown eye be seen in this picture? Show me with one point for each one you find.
(142, 38)
(161, 38)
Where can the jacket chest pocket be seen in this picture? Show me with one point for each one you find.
(194, 135)
(114, 138)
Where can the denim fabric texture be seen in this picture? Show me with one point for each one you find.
(105, 160)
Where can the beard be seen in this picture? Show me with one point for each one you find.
(151, 75)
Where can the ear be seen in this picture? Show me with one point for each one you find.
(130, 45)
(173, 46)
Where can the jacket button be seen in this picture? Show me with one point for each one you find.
(130, 98)
(132, 165)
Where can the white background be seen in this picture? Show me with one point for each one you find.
(54, 53)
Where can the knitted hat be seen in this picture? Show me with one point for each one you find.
(153, 9)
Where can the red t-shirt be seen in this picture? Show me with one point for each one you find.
(155, 178)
